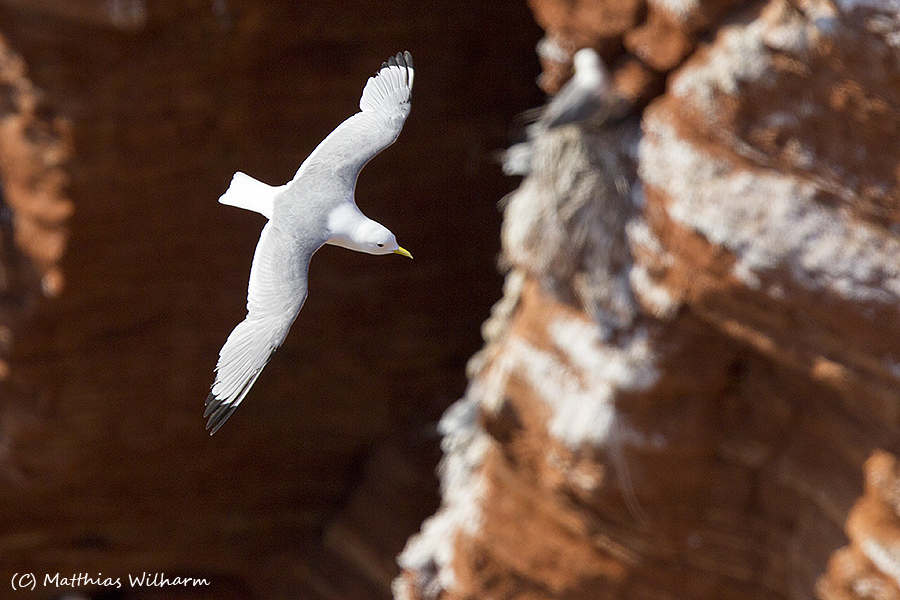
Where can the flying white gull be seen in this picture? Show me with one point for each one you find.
(316, 207)
(579, 99)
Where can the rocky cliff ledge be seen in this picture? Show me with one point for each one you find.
(691, 389)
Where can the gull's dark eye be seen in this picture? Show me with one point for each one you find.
(380, 245)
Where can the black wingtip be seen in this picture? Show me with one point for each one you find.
(401, 59)
(218, 412)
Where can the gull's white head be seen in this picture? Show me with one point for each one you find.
(589, 67)
(374, 238)
(351, 229)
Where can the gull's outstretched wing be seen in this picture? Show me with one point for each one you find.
(276, 292)
(582, 98)
(575, 102)
(384, 106)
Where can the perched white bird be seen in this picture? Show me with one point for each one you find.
(317, 207)
(579, 99)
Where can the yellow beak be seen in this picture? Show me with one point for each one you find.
(403, 252)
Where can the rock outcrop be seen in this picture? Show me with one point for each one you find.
(689, 378)
(35, 145)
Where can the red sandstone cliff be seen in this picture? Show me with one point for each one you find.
(692, 390)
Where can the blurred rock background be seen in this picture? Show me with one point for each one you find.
(122, 122)
(689, 385)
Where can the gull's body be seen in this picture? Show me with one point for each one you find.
(579, 99)
(316, 207)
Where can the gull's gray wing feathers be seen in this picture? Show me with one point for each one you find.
(574, 102)
(277, 290)
(384, 106)
(278, 277)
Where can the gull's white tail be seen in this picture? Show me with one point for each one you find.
(251, 194)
